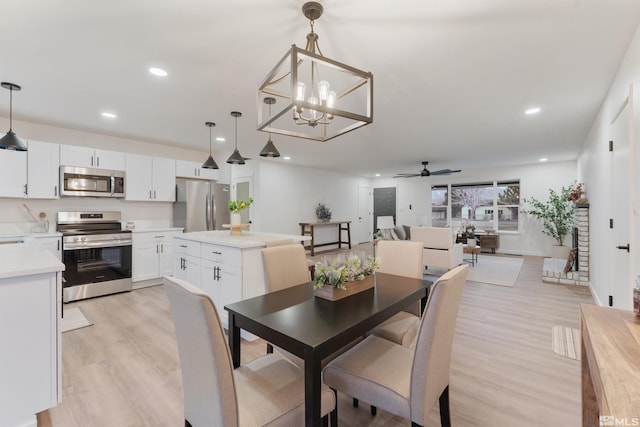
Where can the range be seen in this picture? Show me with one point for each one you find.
(96, 252)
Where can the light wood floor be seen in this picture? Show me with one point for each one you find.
(124, 370)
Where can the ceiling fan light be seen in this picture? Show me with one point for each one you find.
(270, 150)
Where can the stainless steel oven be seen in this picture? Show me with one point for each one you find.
(96, 253)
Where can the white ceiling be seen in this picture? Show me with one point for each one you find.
(452, 78)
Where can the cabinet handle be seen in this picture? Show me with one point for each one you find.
(216, 252)
(154, 194)
(55, 190)
(91, 160)
(158, 237)
(150, 194)
(25, 190)
(162, 248)
(183, 246)
(97, 161)
(157, 249)
(58, 245)
(195, 171)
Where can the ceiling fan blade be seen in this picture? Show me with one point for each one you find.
(445, 172)
(406, 175)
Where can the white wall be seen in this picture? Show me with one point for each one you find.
(535, 181)
(286, 195)
(595, 172)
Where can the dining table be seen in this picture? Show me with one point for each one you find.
(313, 328)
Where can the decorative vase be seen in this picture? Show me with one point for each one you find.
(560, 252)
(236, 219)
(332, 293)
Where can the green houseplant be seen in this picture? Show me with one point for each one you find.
(556, 213)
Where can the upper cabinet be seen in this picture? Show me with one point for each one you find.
(43, 163)
(13, 173)
(150, 178)
(187, 169)
(72, 155)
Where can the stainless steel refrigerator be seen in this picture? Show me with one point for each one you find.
(200, 205)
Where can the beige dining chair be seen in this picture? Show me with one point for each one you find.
(284, 266)
(402, 258)
(406, 381)
(268, 391)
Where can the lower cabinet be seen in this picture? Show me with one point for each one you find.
(227, 274)
(152, 255)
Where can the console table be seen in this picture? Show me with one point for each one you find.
(486, 241)
(307, 229)
(610, 365)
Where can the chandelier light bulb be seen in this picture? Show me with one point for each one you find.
(323, 90)
(331, 99)
(300, 91)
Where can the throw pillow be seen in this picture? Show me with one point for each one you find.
(400, 233)
(407, 232)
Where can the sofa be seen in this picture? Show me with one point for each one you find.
(440, 249)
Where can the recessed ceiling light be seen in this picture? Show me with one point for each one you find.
(158, 72)
(534, 110)
(286, 158)
(377, 174)
(220, 139)
(543, 159)
(109, 115)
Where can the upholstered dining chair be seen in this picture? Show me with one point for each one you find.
(406, 381)
(402, 258)
(284, 266)
(269, 391)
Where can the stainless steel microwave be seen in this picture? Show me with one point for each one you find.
(90, 182)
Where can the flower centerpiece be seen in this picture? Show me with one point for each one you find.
(235, 206)
(344, 276)
(575, 195)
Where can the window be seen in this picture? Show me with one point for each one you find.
(486, 205)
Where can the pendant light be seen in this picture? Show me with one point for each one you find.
(210, 163)
(270, 149)
(235, 158)
(10, 141)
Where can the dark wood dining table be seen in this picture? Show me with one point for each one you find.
(313, 328)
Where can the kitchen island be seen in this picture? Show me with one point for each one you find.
(228, 268)
(30, 309)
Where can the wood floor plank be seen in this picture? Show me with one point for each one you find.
(124, 370)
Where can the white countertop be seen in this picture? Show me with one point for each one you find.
(25, 259)
(248, 239)
(156, 229)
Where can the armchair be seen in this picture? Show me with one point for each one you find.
(439, 248)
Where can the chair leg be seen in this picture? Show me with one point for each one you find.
(415, 424)
(355, 402)
(325, 421)
(374, 411)
(445, 415)
(334, 413)
(187, 423)
(269, 348)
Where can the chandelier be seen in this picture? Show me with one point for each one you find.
(319, 98)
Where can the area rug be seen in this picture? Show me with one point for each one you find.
(496, 270)
(73, 319)
(565, 342)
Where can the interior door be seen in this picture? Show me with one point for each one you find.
(364, 226)
(620, 286)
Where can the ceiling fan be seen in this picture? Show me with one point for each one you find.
(426, 172)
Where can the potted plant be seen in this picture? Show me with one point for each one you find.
(235, 206)
(323, 213)
(470, 234)
(556, 215)
(344, 276)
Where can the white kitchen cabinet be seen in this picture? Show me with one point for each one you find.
(51, 243)
(86, 157)
(30, 362)
(150, 178)
(152, 255)
(194, 170)
(186, 260)
(13, 173)
(43, 165)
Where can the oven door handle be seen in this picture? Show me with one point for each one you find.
(100, 244)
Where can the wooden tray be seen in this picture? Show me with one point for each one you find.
(333, 294)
